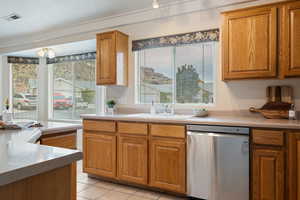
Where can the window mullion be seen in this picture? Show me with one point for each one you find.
(174, 75)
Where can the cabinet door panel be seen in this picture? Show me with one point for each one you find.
(291, 39)
(268, 174)
(100, 154)
(106, 58)
(293, 168)
(133, 159)
(250, 44)
(168, 165)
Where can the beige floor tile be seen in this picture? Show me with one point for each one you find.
(134, 197)
(93, 192)
(147, 194)
(81, 187)
(125, 189)
(81, 198)
(114, 195)
(86, 180)
(106, 185)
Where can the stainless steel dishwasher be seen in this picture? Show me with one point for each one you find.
(218, 162)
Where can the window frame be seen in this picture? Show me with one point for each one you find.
(11, 92)
(99, 97)
(174, 101)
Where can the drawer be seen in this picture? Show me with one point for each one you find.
(133, 128)
(65, 141)
(268, 137)
(97, 125)
(167, 130)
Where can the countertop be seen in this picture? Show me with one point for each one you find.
(228, 119)
(21, 158)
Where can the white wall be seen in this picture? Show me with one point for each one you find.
(234, 95)
(4, 81)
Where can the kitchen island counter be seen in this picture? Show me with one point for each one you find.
(22, 158)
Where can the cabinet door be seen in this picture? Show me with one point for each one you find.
(249, 43)
(293, 168)
(99, 152)
(291, 39)
(133, 159)
(168, 164)
(106, 58)
(268, 174)
(65, 140)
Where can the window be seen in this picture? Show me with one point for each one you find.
(181, 74)
(24, 90)
(73, 89)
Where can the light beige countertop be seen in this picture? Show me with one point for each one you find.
(228, 119)
(21, 158)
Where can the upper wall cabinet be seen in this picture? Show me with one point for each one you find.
(112, 58)
(291, 39)
(249, 43)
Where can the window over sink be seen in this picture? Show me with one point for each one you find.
(178, 69)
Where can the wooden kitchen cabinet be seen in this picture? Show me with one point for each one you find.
(168, 164)
(64, 140)
(112, 58)
(249, 43)
(100, 156)
(291, 39)
(268, 174)
(133, 159)
(293, 166)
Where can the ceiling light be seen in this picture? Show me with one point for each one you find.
(51, 53)
(155, 4)
(11, 17)
(46, 52)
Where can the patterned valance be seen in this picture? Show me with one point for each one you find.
(75, 57)
(22, 60)
(176, 40)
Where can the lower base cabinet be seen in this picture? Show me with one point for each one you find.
(268, 174)
(293, 168)
(133, 159)
(168, 164)
(100, 156)
(63, 140)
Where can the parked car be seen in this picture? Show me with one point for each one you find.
(80, 103)
(60, 102)
(23, 101)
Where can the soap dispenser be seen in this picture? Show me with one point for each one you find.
(152, 108)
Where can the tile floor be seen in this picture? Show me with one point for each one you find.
(94, 189)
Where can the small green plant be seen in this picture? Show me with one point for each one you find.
(111, 104)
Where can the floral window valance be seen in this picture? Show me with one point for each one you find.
(75, 57)
(22, 60)
(175, 40)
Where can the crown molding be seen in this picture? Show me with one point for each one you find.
(87, 29)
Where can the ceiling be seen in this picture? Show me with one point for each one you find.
(63, 49)
(45, 14)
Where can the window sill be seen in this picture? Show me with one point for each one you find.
(79, 121)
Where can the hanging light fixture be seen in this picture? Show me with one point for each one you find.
(46, 52)
(155, 4)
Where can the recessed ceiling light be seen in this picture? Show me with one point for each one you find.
(155, 4)
(12, 17)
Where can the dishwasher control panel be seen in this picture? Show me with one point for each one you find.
(219, 129)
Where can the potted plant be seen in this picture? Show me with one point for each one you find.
(110, 106)
(7, 116)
